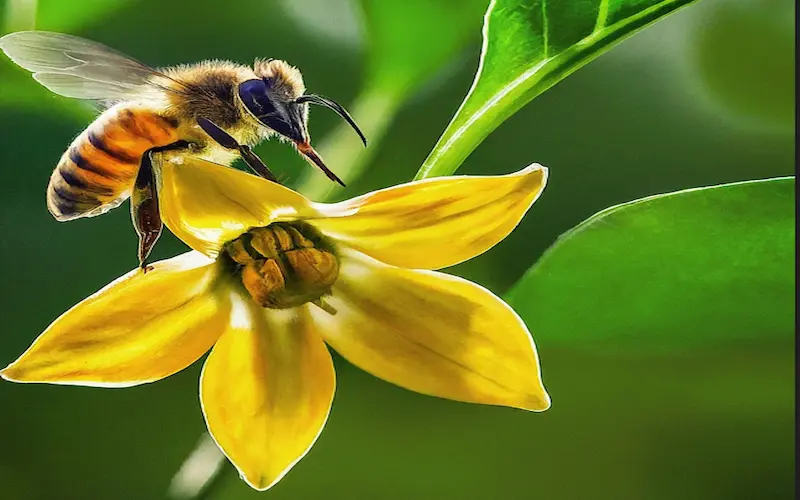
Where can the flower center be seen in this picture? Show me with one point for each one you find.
(285, 264)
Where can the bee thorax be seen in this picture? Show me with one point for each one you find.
(284, 265)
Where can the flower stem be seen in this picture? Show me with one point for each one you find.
(201, 473)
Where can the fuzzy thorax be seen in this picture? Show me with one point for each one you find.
(209, 89)
(285, 79)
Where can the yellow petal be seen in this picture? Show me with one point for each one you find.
(266, 390)
(437, 222)
(140, 328)
(432, 333)
(206, 204)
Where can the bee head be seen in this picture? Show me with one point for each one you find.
(275, 109)
(277, 100)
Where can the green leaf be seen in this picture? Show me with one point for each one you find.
(705, 265)
(407, 43)
(529, 46)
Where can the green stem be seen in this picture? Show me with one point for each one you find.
(201, 473)
(213, 486)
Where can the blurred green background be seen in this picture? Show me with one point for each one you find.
(703, 97)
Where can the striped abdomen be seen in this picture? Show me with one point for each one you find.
(98, 170)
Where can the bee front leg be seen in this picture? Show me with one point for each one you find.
(255, 163)
(144, 210)
(227, 141)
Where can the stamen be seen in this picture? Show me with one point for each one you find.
(285, 265)
(325, 306)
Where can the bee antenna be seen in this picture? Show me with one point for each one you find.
(331, 104)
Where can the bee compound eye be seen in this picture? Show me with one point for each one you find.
(253, 94)
(253, 87)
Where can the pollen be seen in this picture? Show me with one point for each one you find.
(285, 265)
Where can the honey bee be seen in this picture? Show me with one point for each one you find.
(215, 110)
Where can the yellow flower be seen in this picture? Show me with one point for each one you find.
(274, 277)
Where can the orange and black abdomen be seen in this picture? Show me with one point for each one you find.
(98, 170)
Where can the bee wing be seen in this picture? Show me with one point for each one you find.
(79, 68)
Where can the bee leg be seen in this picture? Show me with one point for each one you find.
(255, 163)
(227, 141)
(145, 212)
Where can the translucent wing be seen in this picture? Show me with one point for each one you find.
(75, 67)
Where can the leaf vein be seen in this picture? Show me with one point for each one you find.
(545, 30)
(602, 16)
